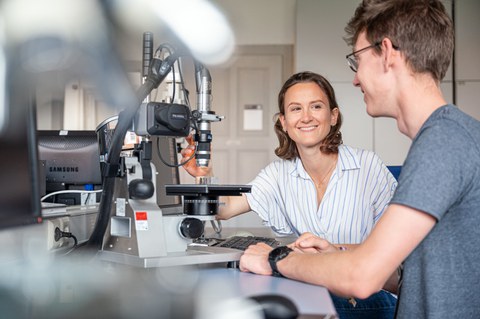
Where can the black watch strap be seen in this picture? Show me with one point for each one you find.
(275, 256)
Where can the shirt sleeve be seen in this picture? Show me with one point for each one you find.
(384, 185)
(265, 198)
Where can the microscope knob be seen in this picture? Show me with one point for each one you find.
(191, 228)
(141, 189)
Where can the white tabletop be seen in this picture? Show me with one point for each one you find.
(219, 285)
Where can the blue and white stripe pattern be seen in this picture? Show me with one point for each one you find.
(359, 190)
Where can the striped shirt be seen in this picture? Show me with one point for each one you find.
(359, 190)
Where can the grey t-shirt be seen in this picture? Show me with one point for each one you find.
(441, 177)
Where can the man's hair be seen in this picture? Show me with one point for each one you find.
(288, 149)
(421, 29)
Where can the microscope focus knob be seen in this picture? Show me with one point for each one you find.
(191, 228)
(141, 189)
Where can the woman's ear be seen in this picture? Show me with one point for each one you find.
(334, 117)
(281, 117)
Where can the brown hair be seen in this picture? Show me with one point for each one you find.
(421, 29)
(288, 149)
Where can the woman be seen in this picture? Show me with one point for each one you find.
(318, 185)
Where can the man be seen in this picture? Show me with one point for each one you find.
(402, 49)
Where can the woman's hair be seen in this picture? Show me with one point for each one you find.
(421, 29)
(288, 149)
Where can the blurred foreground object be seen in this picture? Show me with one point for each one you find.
(55, 41)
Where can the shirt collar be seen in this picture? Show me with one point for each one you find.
(347, 160)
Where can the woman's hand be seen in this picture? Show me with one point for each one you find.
(191, 166)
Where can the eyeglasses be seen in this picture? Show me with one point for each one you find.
(352, 57)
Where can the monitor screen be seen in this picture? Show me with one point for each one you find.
(19, 179)
(71, 160)
(166, 146)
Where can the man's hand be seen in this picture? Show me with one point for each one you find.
(191, 166)
(309, 243)
(255, 259)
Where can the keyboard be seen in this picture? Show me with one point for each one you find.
(242, 242)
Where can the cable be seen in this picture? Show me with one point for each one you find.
(182, 82)
(217, 229)
(158, 53)
(87, 199)
(169, 164)
(63, 234)
(174, 84)
(71, 191)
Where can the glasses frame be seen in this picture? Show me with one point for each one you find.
(352, 57)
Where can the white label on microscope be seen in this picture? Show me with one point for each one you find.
(121, 204)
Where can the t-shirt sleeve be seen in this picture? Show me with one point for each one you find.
(432, 180)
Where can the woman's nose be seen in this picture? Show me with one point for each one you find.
(306, 115)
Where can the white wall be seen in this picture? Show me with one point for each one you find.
(467, 61)
(316, 29)
(320, 47)
(261, 22)
(254, 22)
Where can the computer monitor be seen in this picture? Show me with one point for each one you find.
(71, 160)
(19, 179)
(166, 175)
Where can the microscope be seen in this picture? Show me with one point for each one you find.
(138, 233)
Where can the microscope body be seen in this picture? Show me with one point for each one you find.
(137, 225)
(138, 233)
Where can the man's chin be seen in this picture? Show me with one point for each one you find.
(371, 112)
(378, 114)
(374, 113)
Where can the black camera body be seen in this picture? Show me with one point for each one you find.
(162, 119)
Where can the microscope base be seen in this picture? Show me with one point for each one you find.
(192, 256)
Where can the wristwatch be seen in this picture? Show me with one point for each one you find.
(275, 256)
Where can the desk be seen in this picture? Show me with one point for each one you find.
(70, 286)
(43, 288)
(223, 284)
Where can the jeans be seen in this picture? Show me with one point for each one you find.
(380, 305)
